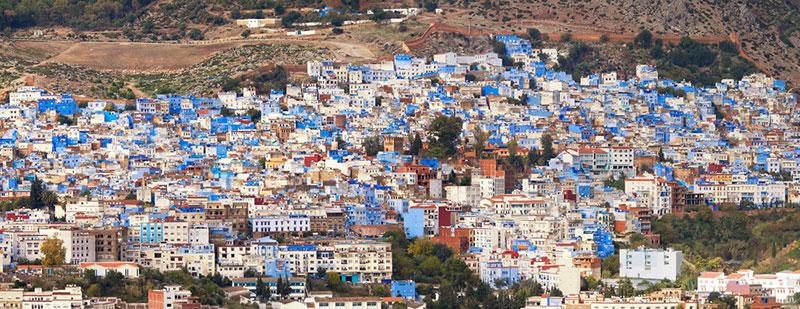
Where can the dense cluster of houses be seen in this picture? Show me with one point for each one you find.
(203, 184)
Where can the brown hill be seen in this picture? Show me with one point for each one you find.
(769, 30)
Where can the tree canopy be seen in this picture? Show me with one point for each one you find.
(53, 251)
(445, 132)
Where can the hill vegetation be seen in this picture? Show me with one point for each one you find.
(83, 14)
(733, 239)
(688, 60)
(768, 31)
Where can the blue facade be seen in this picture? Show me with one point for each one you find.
(65, 106)
(365, 215)
(404, 289)
(276, 269)
(152, 233)
(497, 275)
(414, 222)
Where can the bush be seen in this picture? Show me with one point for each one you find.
(566, 37)
(290, 19)
(534, 34)
(246, 33)
(728, 47)
(279, 10)
(337, 31)
(379, 15)
(230, 84)
(337, 21)
(236, 14)
(195, 34)
(431, 5)
(644, 39)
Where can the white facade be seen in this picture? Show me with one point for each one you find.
(653, 264)
(70, 297)
(651, 192)
(25, 94)
(101, 269)
(782, 285)
(281, 224)
(758, 193)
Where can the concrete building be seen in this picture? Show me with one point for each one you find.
(651, 264)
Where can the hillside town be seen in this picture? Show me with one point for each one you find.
(404, 183)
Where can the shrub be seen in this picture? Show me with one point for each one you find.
(195, 34)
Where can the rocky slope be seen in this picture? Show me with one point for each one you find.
(768, 30)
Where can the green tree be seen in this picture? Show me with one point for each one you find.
(547, 150)
(480, 142)
(37, 194)
(441, 251)
(254, 114)
(236, 13)
(456, 271)
(289, 19)
(279, 9)
(262, 291)
(93, 290)
(380, 291)
(444, 134)
(421, 247)
(430, 266)
(534, 34)
(286, 289)
(373, 145)
(431, 5)
(610, 266)
(638, 240)
(625, 288)
(334, 281)
(512, 147)
(533, 158)
(644, 39)
(225, 112)
(452, 177)
(49, 199)
(131, 196)
(196, 34)
(337, 21)
(415, 148)
(617, 182)
(321, 272)
(379, 15)
(230, 84)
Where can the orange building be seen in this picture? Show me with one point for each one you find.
(423, 172)
(456, 238)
